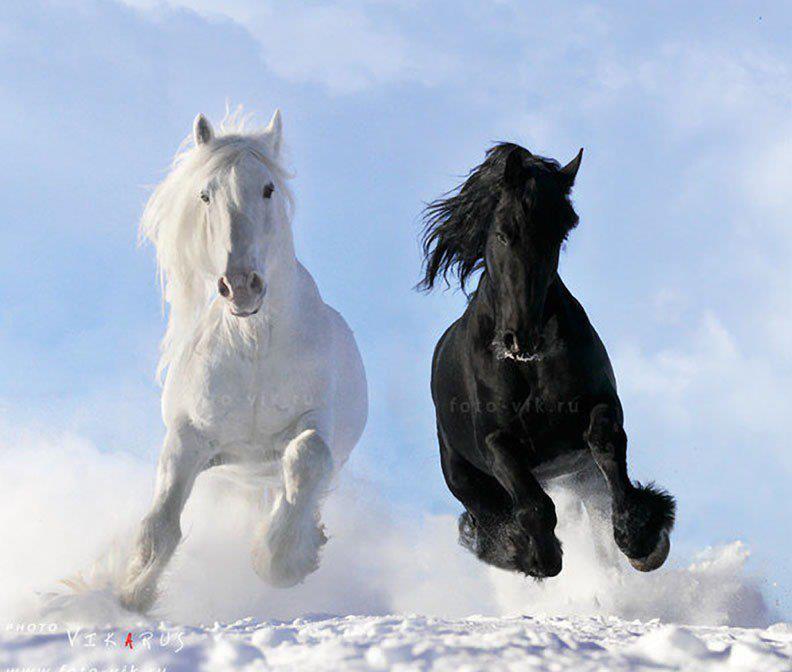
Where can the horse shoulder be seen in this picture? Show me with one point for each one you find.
(584, 346)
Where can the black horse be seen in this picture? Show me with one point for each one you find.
(523, 388)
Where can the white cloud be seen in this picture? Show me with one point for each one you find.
(346, 47)
(343, 48)
(768, 178)
(706, 385)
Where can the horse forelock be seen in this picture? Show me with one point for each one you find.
(174, 221)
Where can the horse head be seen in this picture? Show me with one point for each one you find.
(221, 224)
(242, 213)
(510, 218)
(531, 220)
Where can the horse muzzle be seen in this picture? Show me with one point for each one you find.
(244, 292)
(521, 348)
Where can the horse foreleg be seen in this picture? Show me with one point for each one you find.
(534, 511)
(183, 457)
(286, 547)
(484, 526)
(642, 516)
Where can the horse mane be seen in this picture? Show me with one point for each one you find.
(456, 226)
(175, 222)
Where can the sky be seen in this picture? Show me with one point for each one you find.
(680, 258)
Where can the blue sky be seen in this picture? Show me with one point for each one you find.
(681, 256)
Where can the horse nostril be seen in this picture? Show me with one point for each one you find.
(510, 341)
(255, 283)
(223, 288)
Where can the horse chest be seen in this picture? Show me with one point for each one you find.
(247, 389)
(235, 390)
(224, 392)
(284, 393)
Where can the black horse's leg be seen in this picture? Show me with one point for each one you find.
(642, 515)
(534, 512)
(484, 526)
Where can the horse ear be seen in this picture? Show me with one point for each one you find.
(275, 131)
(514, 171)
(569, 171)
(202, 130)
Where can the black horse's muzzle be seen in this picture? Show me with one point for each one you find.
(522, 348)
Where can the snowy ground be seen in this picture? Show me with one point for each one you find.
(412, 643)
(702, 611)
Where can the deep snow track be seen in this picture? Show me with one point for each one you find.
(411, 643)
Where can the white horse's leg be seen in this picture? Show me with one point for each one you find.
(286, 547)
(184, 455)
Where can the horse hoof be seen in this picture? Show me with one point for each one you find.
(656, 558)
(539, 557)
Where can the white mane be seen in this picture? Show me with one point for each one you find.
(175, 222)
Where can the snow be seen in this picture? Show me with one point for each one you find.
(409, 587)
(410, 642)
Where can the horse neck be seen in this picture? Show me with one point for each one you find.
(482, 310)
(282, 281)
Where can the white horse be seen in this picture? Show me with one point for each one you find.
(260, 373)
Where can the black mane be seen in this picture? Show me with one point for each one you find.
(456, 226)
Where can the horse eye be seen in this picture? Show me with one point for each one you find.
(268, 189)
(204, 197)
(502, 238)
